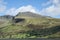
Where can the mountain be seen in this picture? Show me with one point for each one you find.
(6, 17)
(4, 20)
(30, 14)
(29, 25)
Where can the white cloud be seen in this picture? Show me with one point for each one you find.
(53, 10)
(11, 11)
(28, 8)
(46, 3)
(2, 6)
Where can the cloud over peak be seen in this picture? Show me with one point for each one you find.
(28, 8)
(52, 10)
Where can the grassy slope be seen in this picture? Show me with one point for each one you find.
(16, 30)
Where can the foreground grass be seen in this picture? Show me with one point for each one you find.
(19, 30)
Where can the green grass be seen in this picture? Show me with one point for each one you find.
(14, 30)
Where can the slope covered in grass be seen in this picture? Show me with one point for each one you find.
(30, 25)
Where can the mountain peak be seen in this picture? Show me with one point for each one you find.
(31, 15)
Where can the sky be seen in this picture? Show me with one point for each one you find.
(42, 7)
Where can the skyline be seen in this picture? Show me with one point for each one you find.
(42, 7)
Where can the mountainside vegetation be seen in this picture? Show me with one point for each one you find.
(29, 25)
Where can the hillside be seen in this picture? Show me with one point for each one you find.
(5, 20)
(30, 25)
(30, 14)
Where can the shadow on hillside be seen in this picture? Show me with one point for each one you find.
(44, 32)
(17, 20)
(35, 32)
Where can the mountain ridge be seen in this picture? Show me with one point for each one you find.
(30, 14)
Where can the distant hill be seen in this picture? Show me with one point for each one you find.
(31, 15)
(6, 17)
